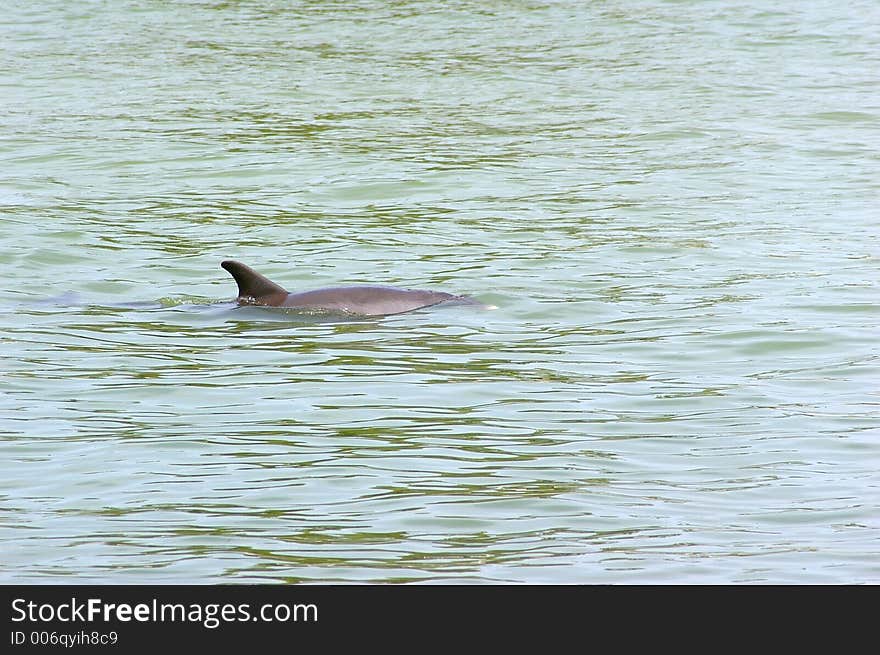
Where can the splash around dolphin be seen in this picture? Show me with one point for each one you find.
(365, 300)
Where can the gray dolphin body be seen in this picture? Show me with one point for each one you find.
(256, 289)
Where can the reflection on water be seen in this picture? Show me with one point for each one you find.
(673, 210)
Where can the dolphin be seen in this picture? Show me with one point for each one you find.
(256, 289)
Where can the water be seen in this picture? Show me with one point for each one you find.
(673, 205)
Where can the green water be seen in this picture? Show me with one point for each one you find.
(672, 204)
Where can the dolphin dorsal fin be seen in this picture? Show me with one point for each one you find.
(250, 283)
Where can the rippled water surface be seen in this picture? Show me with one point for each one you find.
(674, 206)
